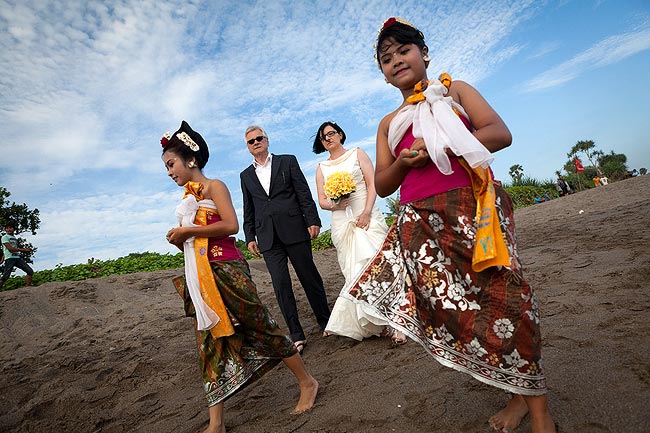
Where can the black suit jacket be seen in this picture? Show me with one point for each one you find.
(287, 210)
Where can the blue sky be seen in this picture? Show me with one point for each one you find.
(88, 88)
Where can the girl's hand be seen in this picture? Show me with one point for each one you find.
(413, 158)
(177, 235)
(363, 221)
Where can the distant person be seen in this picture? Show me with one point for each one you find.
(433, 280)
(12, 258)
(563, 187)
(280, 219)
(358, 229)
(570, 187)
(596, 180)
(604, 180)
(237, 339)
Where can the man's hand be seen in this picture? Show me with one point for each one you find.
(313, 231)
(254, 249)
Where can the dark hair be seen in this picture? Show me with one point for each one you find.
(318, 144)
(402, 34)
(180, 148)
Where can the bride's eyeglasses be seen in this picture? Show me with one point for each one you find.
(259, 139)
(328, 135)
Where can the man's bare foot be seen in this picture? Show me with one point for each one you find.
(509, 418)
(308, 391)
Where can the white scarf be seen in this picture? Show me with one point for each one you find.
(434, 120)
(186, 213)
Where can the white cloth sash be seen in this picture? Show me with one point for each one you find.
(206, 318)
(434, 120)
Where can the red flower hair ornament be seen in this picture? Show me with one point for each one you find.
(164, 140)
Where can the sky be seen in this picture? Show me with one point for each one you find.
(88, 88)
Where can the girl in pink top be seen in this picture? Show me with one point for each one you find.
(482, 323)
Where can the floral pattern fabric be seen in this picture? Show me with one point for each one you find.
(484, 323)
(230, 363)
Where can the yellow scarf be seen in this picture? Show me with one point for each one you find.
(490, 247)
(209, 291)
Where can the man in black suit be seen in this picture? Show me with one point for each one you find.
(280, 219)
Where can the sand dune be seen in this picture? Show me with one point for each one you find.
(116, 354)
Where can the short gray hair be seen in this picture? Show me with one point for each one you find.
(255, 128)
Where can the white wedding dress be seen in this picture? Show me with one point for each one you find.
(354, 247)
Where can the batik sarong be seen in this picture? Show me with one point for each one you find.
(485, 324)
(228, 364)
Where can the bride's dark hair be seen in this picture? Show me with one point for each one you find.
(318, 140)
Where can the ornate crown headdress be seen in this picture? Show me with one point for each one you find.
(392, 20)
(188, 141)
(182, 136)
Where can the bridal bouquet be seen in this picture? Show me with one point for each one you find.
(339, 185)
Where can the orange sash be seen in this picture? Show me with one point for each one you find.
(490, 247)
(209, 291)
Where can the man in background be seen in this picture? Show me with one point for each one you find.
(12, 257)
(280, 219)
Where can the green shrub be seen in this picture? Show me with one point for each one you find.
(523, 196)
(135, 262)
(322, 242)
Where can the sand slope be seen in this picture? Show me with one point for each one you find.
(115, 354)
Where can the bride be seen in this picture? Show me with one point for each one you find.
(358, 230)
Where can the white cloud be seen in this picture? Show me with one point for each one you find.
(89, 87)
(610, 50)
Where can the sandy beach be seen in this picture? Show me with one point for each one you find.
(116, 354)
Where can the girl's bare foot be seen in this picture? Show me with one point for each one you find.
(542, 424)
(215, 429)
(509, 418)
(308, 391)
(216, 419)
(398, 338)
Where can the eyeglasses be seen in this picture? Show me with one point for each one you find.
(259, 138)
(328, 135)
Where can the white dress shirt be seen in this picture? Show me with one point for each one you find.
(263, 172)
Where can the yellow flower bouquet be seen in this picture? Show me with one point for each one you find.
(339, 185)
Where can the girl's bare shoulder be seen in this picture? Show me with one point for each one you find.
(214, 187)
(385, 122)
(458, 88)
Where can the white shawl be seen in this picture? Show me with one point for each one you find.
(434, 120)
(186, 213)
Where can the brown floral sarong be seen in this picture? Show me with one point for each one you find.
(228, 364)
(485, 324)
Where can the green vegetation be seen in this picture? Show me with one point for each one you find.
(135, 262)
(524, 189)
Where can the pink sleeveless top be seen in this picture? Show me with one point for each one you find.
(221, 248)
(423, 182)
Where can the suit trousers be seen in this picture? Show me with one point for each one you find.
(302, 260)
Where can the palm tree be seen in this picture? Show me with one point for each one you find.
(516, 173)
